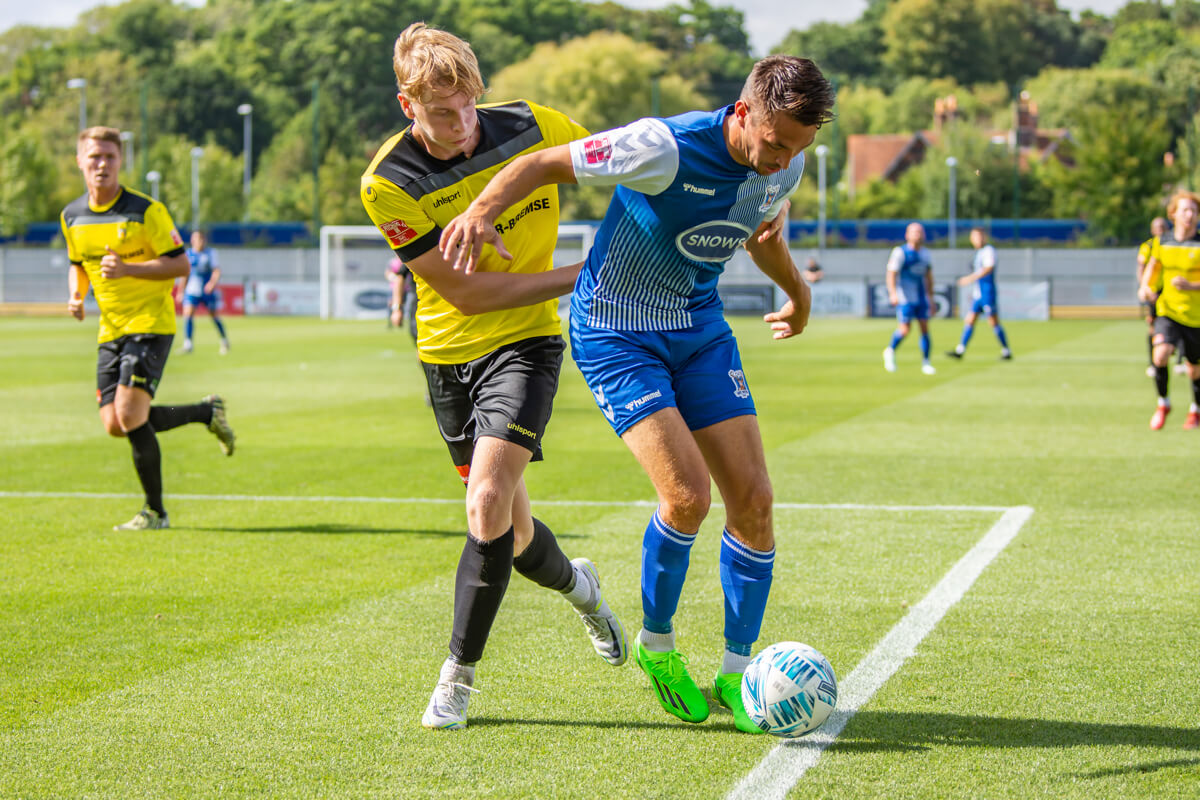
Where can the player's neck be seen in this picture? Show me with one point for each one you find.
(101, 196)
(1182, 234)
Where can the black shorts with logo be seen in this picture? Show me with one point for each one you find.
(507, 393)
(137, 360)
(1180, 336)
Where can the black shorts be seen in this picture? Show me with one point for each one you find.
(136, 360)
(507, 394)
(1180, 336)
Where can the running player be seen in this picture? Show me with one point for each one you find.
(124, 246)
(1175, 264)
(983, 276)
(490, 343)
(649, 335)
(201, 289)
(1158, 226)
(910, 290)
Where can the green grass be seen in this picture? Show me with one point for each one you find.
(283, 643)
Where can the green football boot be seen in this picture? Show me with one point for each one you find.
(727, 689)
(677, 692)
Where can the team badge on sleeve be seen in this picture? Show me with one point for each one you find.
(597, 150)
(176, 239)
(771, 193)
(397, 232)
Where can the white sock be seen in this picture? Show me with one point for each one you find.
(1162, 401)
(1193, 409)
(658, 642)
(584, 593)
(733, 662)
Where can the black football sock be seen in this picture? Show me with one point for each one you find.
(1150, 342)
(479, 585)
(544, 562)
(147, 460)
(164, 418)
(1161, 376)
(1196, 392)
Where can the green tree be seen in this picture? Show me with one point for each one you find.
(1133, 44)
(938, 39)
(27, 182)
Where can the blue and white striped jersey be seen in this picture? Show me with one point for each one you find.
(681, 209)
(911, 265)
(985, 287)
(202, 262)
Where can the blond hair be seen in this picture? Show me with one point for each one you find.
(1179, 196)
(100, 133)
(426, 59)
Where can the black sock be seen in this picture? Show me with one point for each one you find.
(164, 418)
(1150, 341)
(479, 584)
(147, 460)
(1196, 392)
(1161, 375)
(543, 561)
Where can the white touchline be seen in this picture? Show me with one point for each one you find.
(787, 762)
(253, 498)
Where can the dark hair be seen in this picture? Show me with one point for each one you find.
(792, 85)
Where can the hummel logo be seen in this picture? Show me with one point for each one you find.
(687, 187)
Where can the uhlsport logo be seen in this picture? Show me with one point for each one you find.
(712, 241)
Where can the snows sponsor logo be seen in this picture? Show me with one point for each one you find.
(712, 241)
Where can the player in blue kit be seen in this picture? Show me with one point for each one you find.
(649, 334)
(910, 290)
(983, 276)
(201, 289)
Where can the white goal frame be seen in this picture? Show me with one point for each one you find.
(333, 237)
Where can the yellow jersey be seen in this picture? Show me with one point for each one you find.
(138, 229)
(1144, 252)
(410, 195)
(1178, 258)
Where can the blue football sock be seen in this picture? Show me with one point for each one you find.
(665, 555)
(220, 327)
(1002, 337)
(925, 346)
(966, 336)
(746, 581)
(897, 338)
(189, 325)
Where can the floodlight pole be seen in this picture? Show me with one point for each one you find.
(822, 151)
(153, 177)
(952, 202)
(247, 113)
(127, 150)
(197, 154)
(81, 85)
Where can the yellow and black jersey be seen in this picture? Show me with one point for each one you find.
(138, 229)
(1178, 258)
(1144, 251)
(410, 196)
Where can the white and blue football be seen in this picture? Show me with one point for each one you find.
(789, 689)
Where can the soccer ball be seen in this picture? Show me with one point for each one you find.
(789, 689)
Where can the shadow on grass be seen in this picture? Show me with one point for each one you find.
(326, 528)
(721, 726)
(873, 731)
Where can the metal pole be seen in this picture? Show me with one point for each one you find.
(822, 151)
(197, 154)
(153, 177)
(316, 154)
(247, 112)
(127, 150)
(952, 207)
(145, 130)
(81, 85)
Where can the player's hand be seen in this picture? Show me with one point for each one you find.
(965, 280)
(1182, 284)
(1145, 295)
(210, 287)
(790, 320)
(776, 227)
(112, 265)
(893, 299)
(397, 317)
(462, 241)
(75, 306)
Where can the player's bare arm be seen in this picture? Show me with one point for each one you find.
(77, 289)
(161, 268)
(774, 259)
(774, 227)
(463, 239)
(480, 292)
(1149, 276)
(893, 297)
(211, 286)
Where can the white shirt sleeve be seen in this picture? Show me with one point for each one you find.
(642, 156)
(987, 256)
(895, 260)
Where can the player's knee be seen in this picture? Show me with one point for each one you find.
(751, 510)
(112, 427)
(685, 509)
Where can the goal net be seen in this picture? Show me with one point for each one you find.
(354, 261)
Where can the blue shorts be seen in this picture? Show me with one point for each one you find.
(210, 300)
(633, 374)
(907, 312)
(985, 304)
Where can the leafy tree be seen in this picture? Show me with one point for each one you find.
(1133, 44)
(27, 181)
(847, 51)
(938, 39)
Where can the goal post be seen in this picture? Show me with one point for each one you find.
(354, 259)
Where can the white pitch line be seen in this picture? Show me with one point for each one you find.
(251, 498)
(787, 762)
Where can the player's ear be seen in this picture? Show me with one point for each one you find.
(405, 105)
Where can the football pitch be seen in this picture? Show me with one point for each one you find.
(1000, 562)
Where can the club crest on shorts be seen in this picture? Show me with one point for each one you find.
(740, 389)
